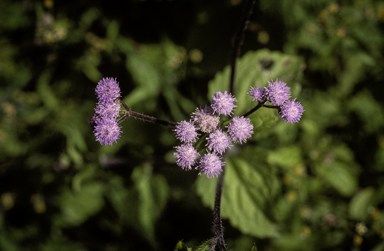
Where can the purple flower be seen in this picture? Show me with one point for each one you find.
(240, 129)
(218, 141)
(257, 93)
(211, 165)
(94, 121)
(223, 103)
(186, 132)
(108, 109)
(291, 111)
(107, 131)
(277, 92)
(107, 90)
(205, 119)
(186, 156)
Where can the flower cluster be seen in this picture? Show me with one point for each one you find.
(218, 140)
(104, 122)
(278, 93)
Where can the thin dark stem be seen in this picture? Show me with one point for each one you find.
(272, 106)
(260, 104)
(216, 213)
(130, 113)
(151, 119)
(219, 188)
(238, 41)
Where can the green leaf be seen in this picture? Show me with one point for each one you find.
(249, 188)
(257, 68)
(340, 176)
(254, 248)
(368, 109)
(206, 246)
(286, 157)
(152, 67)
(180, 246)
(46, 93)
(262, 120)
(378, 247)
(78, 207)
(358, 207)
(150, 192)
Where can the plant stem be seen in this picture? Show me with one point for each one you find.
(151, 119)
(130, 113)
(219, 187)
(238, 41)
(216, 213)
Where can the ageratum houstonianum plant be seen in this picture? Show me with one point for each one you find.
(208, 133)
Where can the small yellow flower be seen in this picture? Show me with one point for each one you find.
(196, 56)
(7, 200)
(357, 240)
(291, 196)
(374, 212)
(333, 8)
(305, 232)
(263, 37)
(299, 170)
(360, 228)
(48, 4)
(306, 212)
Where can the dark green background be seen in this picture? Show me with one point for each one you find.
(313, 185)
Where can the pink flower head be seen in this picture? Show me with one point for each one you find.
(277, 92)
(223, 103)
(240, 129)
(205, 119)
(186, 156)
(107, 90)
(218, 141)
(211, 165)
(186, 132)
(257, 93)
(108, 109)
(291, 111)
(107, 131)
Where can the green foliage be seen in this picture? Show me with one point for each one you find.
(150, 193)
(302, 186)
(256, 69)
(180, 246)
(249, 189)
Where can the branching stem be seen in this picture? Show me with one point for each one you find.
(129, 113)
(219, 188)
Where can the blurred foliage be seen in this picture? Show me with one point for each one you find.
(314, 185)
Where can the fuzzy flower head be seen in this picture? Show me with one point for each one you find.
(107, 90)
(186, 156)
(240, 129)
(223, 103)
(108, 109)
(211, 165)
(291, 111)
(107, 131)
(205, 119)
(94, 121)
(186, 132)
(218, 141)
(277, 92)
(257, 93)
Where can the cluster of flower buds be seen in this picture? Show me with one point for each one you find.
(104, 122)
(278, 94)
(217, 139)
